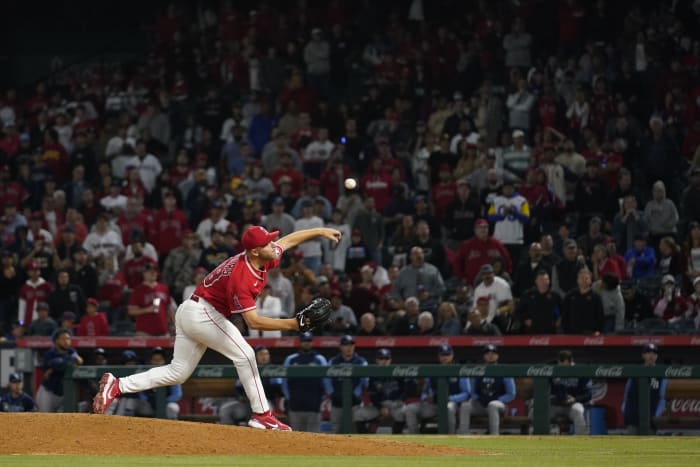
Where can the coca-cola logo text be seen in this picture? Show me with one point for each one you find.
(594, 341)
(405, 371)
(339, 371)
(609, 371)
(540, 370)
(679, 372)
(479, 370)
(685, 405)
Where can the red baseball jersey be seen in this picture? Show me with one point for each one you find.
(133, 270)
(155, 324)
(93, 326)
(31, 294)
(235, 284)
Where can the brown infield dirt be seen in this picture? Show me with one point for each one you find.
(83, 434)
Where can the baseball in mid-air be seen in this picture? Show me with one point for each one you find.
(350, 183)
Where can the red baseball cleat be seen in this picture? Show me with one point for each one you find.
(109, 390)
(267, 421)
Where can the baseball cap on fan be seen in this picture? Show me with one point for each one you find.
(257, 236)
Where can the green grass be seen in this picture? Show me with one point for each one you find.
(612, 451)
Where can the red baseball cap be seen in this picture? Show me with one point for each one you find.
(257, 236)
(479, 222)
(93, 301)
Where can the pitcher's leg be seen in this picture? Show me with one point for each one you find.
(225, 338)
(188, 349)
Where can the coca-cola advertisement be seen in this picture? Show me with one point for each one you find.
(683, 407)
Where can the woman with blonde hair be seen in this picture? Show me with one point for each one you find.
(448, 323)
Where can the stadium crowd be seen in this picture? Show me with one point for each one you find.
(495, 167)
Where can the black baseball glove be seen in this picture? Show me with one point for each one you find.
(314, 315)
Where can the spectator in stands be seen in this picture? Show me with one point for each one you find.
(657, 394)
(569, 396)
(304, 395)
(179, 264)
(500, 298)
(299, 275)
(637, 307)
(582, 310)
(539, 307)
(448, 323)
(35, 290)
(335, 253)
(509, 212)
(368, 326)
(103, 244)
(10, 283)
(215, 221)
(15, 399)
(169, 225)
(670, 260)
(93, 323)
(477, 324)
(342, 319)
(565, 272)
(83, 274)
(526, 269)
(670, 305)
(629, 223)
(477, 252)
(281, 287)
(641, 259)
(217, 251)
(278, 219)
(488, 396)
(386, 397)
(690, 201)
(608, 289)
(347, 356)
(270, 306)
(65, 248)
(660, 214)
(370, 224)
(458, 393)
(405, 322)
(417, 273)
(44, 325)
(593, 237)
(603, 264)
(313, 253)
(57, 359)
(151, 305)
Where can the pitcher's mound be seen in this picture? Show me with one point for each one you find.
(83, 434)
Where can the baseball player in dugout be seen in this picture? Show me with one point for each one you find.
(203, 321)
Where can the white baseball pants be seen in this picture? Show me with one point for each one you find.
(198, 326)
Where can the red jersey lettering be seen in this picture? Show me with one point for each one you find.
(233, 286)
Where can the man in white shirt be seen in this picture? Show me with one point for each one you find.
(216, 220)
(103, 243)
(149, 166)
(498, 291)
(313, 252)
(317, 153)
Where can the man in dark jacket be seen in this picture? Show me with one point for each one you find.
(386, 394)
(304, 395)
(565, 272)
(568, 396)
(582, 310)
(347, 356)
(538, 310)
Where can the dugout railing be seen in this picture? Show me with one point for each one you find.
(540, 374)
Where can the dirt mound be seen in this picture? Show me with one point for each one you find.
(38, 433)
